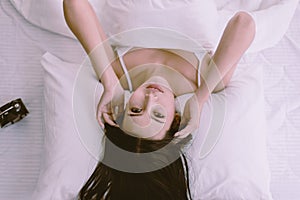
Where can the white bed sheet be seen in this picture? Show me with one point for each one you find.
(21, 48)
(282, 95)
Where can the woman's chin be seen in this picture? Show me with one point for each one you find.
(161, 82)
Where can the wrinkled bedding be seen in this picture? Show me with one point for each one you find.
(21, 145)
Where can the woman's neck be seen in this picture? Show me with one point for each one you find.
(177, 82)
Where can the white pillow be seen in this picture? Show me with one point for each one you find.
(267, 33)
(203, 21)
(208, 22)
(237, 166)
(67, 163)
(199, 24)
(48, 14)
(70, 158)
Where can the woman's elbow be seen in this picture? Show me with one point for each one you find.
(244, 21)
(69, 3)
(244, 18)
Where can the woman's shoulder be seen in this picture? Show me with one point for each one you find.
(189, 56)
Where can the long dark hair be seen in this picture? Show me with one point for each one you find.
(168, 182)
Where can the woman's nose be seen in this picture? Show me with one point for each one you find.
(151, 94)
(151, 98)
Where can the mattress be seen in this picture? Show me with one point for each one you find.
(21, 145)
(282, 95)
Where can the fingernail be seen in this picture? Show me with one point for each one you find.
(117, 109)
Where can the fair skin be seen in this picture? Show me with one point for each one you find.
(170, 65)
(151, 108)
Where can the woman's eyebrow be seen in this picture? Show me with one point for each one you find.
(133, 115)
(162, 122)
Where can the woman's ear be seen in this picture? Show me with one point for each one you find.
(175, 124)
(177, 106)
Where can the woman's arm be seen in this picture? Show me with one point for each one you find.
(272, 19)
(236, 39)
(82, 21)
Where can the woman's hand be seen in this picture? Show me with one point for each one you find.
(111, 105)
(191, 116)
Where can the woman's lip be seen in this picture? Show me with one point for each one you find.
(155, 86)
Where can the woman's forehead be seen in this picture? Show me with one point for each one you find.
(141, 126)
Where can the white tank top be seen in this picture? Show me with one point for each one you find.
(121, 51)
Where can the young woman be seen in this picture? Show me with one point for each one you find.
(150, 121)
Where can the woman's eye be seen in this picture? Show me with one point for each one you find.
(158, 115)
(136, 110)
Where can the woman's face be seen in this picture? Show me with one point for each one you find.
(150, 110)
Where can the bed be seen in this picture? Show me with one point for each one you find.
(22, 152)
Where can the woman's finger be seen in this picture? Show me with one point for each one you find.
(100, 111)
(116, 111)
(186, 131)
(181, 134)
(99, 119)
(108, 119)
(207, 58)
